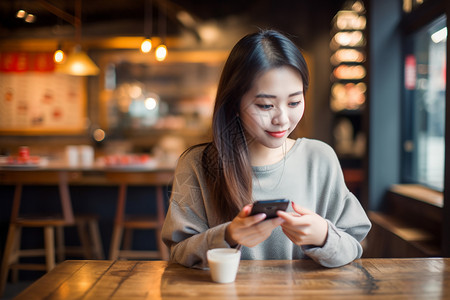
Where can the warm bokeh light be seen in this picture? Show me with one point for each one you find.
(150, 103)
(209, 33)
(78, 63)
(186, 19)
(161, 53)
(349, 72)
(358, 6)
(346, 20)
(58, 56)
(135, 91)
(347, 55)
(77, 68)
(349, 38)
(21, 14)
(348, 58)
(146, 46)
(349, 96)
(30, 18)
(99, 135)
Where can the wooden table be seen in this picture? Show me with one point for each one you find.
(423, 278)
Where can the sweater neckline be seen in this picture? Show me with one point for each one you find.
(280, 163)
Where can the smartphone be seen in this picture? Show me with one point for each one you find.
(269, 207)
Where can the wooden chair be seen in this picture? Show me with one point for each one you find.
(50, 224)
(128, 223)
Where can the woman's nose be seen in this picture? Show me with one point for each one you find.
(280, 117)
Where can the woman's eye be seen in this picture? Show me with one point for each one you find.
(294, 104)
(265, 106)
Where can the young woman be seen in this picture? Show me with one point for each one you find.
(260, 100)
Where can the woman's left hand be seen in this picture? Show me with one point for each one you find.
(304, 227)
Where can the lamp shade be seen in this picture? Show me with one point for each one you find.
(78, 63)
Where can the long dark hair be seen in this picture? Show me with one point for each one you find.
(225, 160)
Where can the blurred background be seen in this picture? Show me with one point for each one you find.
(198, 36)
(139, 77)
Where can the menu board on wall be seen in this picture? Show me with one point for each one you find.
(34, 99)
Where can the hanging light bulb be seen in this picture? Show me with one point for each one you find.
(58, 56)
(21, 14)
(161, 52)
(146, 45)
(30, 18)
(78, 62)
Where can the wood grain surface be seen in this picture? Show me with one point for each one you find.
(422, 278)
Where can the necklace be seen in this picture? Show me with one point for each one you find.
(284, 148)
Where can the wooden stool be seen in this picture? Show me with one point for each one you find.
(13, 251)
(90, 240)
(49, 224)
(129, 223)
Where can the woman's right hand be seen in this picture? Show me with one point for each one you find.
(249, 230)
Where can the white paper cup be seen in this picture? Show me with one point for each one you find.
(87, 155)
(72, 155)
(223, 264)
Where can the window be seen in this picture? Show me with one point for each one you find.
(424, 105)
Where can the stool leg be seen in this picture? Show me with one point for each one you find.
(127, 239)
(96, 239)
(14, 257)
(60, 247)
(84, 239)
(118, 223)
(49, 236)
(10, 242)
(115, 242)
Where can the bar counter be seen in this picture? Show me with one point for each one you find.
(86, 175)
(65, 176)
(422, 278)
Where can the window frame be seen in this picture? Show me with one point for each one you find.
(407, 172)
(387, 25)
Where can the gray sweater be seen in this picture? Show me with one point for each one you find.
(310, 175)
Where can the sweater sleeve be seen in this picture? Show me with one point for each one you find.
(186, 228)
(348, 223)
(343, 241)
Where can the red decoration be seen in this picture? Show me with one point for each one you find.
(26, 62)
(410, 72)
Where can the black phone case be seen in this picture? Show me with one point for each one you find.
(269, 207)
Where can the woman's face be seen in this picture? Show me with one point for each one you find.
(272, 108)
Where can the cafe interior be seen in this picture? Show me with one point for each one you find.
(98, 99)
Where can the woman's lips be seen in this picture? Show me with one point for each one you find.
(277, 134)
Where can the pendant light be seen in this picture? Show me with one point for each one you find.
(21, 14)
(25, 16)
(146, 45)
(161, 50)
(59, 56)
(78, 62)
